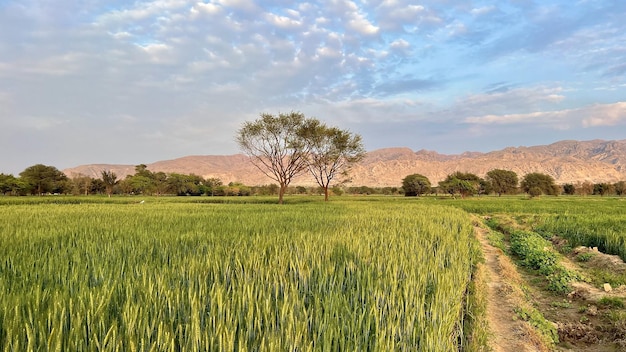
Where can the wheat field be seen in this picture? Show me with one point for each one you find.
(177, 275)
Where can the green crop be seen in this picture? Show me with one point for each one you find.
(174, 275)
(583, 221)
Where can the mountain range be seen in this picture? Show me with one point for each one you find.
(566, 161)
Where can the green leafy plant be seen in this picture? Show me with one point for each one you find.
(611, 302)
(585, 257)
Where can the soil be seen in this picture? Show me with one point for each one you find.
(583, 321)
(508, 333)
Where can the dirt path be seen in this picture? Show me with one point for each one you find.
(507, 333)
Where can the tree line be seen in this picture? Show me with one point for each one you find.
(41, 179)
(499, 182)
(48, 180)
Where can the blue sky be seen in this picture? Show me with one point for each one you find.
(131, 82)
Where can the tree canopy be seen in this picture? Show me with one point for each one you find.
(537, 183)
(415, 185)
(502, 181)
(277, 146)
(284, 146)
(332, 152)
(109, 178)
(463, 183)
(44, 179)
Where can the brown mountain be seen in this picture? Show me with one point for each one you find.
(566, 161)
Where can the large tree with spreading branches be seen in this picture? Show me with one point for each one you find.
(333, 152)
(277, 146)
(284, 146)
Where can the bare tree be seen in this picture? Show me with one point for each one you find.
(277, 146)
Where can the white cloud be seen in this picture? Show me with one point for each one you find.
(542, 117)
(523, 100)
(361, 25)
(328, 52)
(606, 115)
(282, 21)
(245, 5)
(397, 16)
(457, 29)
(206, 8)
(399, 44)
(588, 116)
(158, 53)
(479, 11)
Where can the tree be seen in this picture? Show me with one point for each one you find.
(464, 183)
(502, 181)
(585, 188)
(211, 185)
(110, 180)
(98, 186)
(537, 183)
(81, 184)
(415, 185)
(569, 189)
(159, 183)
(11, 185)
(44, 179)
(332, 152)
(142, 170)
(277, 146)
(185, 185)
(138, 184)
(620, 188)
(602, 188)
(144, 181)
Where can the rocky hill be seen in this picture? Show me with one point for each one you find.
(566, 161)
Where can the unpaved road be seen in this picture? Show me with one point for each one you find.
(507, 333)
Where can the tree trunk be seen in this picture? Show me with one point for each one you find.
(326, 193)
(281, 193)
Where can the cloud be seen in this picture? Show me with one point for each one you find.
(505, 99)
(169, 68)
(361, 25)
(484, 10)
(588, 116)
(283, 21)
(406, 85)
(400, 16)
(605, 115)
(543, 117)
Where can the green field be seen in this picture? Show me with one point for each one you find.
(244, 274)
(583, 221)
(181, 275)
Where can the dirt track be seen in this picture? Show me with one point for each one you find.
(507, 333)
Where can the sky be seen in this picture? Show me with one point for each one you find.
(131, 82)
